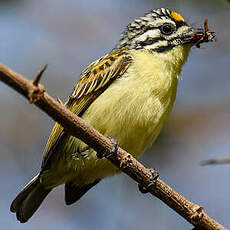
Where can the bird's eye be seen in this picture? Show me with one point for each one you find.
(167, 29)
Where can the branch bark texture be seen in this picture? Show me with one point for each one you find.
(77, 127)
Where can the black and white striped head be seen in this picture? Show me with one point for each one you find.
(159, 31)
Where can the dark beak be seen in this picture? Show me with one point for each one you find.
(196, 36)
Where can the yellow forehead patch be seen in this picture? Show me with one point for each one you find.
(177, 17)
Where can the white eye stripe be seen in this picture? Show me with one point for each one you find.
(160, 22)
(154, 32)
(136, 25)
(150, 33)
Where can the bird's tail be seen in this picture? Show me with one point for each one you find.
(29, 199)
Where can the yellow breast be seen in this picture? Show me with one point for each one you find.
(134, 108)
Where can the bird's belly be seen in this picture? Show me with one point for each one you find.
(134, 121)
(133, 118)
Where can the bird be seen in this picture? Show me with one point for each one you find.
(126, 95)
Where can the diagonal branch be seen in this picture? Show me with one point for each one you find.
(77, 127)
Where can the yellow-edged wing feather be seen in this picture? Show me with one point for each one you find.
(94, 80)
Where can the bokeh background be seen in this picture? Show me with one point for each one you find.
(68, 35)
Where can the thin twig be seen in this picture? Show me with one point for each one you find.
(216, 161)
(77, 127)
(39, 75)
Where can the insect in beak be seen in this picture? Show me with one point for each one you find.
(204, 36)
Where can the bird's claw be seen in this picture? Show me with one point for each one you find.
(155, 176)
(114, 149)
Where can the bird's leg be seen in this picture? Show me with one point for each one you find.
(155, 176)
(114, 149)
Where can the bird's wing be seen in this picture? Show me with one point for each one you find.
(94, 81)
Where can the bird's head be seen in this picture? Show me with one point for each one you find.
(162, 30)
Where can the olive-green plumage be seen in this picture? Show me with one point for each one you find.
(127, 95)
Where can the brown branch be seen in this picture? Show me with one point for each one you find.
(59, 101)
(77, 127)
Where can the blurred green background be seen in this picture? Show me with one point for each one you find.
(68, 35)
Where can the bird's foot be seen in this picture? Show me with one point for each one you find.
(155, 176)
(114, 149)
